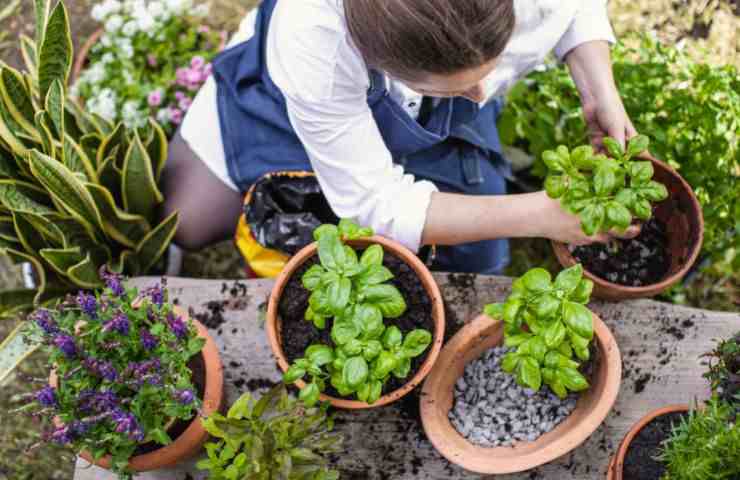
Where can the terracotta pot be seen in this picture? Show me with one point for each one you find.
(467, 345)
(273, 323)
(616, 464)
(190, 442)
(684, 221)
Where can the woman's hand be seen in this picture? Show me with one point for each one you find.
(603, 110)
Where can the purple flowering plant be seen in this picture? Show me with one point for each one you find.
(121, 360)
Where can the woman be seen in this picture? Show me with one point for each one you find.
(393, 105)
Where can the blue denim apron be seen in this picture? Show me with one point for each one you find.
(457, 147)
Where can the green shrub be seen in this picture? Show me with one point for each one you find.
(275, 437)
(704, 446)
(76, 192)
(724, 370)
(689, 109)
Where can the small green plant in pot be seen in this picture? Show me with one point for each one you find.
(353, 291)
(273, 437)
(724, 370)
(550, 327)
(76, 192)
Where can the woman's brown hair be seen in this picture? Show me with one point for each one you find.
(406, 38)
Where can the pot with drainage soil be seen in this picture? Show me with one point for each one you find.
(355, 319)
(609, 193)
(509, 395)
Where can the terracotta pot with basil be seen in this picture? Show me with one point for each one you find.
(132, 376)
(355, 319)
(612, 191)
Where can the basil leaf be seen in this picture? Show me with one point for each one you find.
(293, 374)
(512, 341)
(582, 293)
(343, 332)
(371, 349)
(568, 279)
(537, 280)
(558, 388)
(583, 157)
(572, 379)
(347, 228)
(363, 392)
(402, 369)
(511, 309)
(618, 215)
(555, 185)
(387, 298)
(565, 349)
(309, 394)
(626, 197)
(352, 347)
(592, 218)
(373, 255)
(529, 373)
(374, 275)
(376, 388)
(319, 354)
(557, 360)
(579, 319)
(643, 210)
(325, 230)
(392, 337)
(494, 310)
(582, 353)
(637, 145)
(546, 306)
(640, 172)
(553, 161)
(312, 278)
(613, 147)
(383, 365)
(654, 191)
(604, 180)
(416, 342)
(510, 362)
(319, 302)
(554, 334)
(355, 372)
(338, 383)
(338, 294)
(370, 320)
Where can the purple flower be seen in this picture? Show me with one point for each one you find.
(156, 294)
(176, 115)
(62, 435)
(185, 103)
(119, 324)
(113, 281)
(148, 341)
(88, 304)
(197, 62)
(185, 397)
(47, 397)
(181, 76)
(179, 96)
(179, 328)
(151, 60)
(155, 98)
(66, 344)
(45, 322)
(98, 402)
(126, 423)
(101, 368)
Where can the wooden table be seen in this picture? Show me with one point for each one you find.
(660, 345)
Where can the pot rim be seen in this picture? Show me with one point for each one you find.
(616, 463)
(189, 442)
(566, 259)
(471, 335)
(426, 279)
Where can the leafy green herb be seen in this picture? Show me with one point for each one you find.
(704, 446)
(604, 191)
(273, 437)
(724, 370)
(550, 327)
(353, 293)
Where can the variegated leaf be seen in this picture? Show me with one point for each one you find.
(138, 185)
(153, 246)
(76, 159)
(8, 167)
(23, 197)
(9, 132)
(110, 178)
(55, 107)
(14, 349)
(62, 259)
(85, 274)
(28, 51)
(55, 54)
(43, 125)
(110, 145)
(7, 229)
(17, 99)
(41, 9)
(31, 240)
(126, 228)
(157, 149)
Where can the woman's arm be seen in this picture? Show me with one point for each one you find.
(453, 219)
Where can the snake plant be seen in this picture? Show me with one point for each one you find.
(76, 192)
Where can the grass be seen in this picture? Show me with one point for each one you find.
(709, 29)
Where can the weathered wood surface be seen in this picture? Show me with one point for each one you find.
(660, 344)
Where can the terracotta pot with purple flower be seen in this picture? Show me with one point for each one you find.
(132, 377)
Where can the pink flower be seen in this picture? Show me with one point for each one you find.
(151, 60)
(197, 62)
(194, 77)
(176, 116)
(203, 29)
(179, 95)
(181, 76)
(207, 70)
(155, 98)
(185, 103)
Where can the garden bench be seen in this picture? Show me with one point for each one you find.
(661, 345)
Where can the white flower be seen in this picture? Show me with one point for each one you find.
(107, 58)
(201, 10)
(156, 9)
(102, 10)
(114, 23)
(178, 7)
(95, 73)
(106, 40)
(104, 104)
(126, 51)
(130, 28)
(163, 115)
(147, 24)
(98, 13)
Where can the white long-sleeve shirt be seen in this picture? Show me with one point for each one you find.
(312, 59)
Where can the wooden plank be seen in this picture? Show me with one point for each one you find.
(660, 343)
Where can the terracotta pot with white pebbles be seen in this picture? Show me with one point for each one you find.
(525, 383)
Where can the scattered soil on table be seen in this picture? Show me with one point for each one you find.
(198, 367)
(640, 463)
(298, 334)
(213, 315)
(644, 260)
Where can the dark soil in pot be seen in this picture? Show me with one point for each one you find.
(640, 462)
(644, 260)
(198, 367)
(297, 334)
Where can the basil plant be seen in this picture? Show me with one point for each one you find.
(76, 192)
(550, 328)
(353, 293)
(604, 191)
